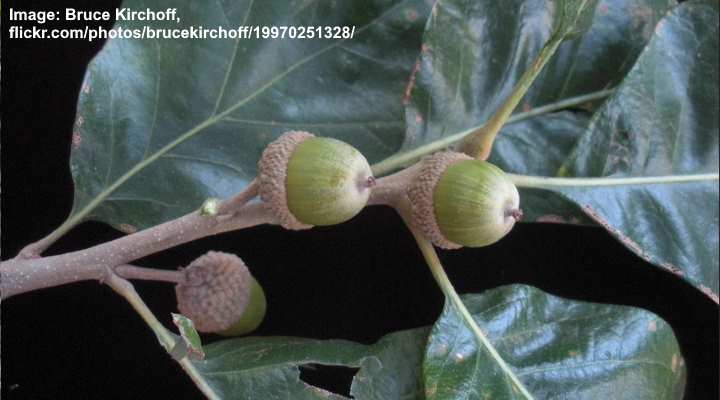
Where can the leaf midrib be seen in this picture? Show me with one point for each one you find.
(547, 182)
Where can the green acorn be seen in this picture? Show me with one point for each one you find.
(220, 296)
(460, 201)
(306, 180)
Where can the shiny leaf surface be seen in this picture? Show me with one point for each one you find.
(662, 121)
(268, 368)
(573, 17)
(470, 61)
(164, 124)
(539, 146)
(561, 348)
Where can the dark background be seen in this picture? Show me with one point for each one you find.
(356, 281)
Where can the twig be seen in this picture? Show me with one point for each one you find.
(165, 337)
(23, 275)
(226, 207)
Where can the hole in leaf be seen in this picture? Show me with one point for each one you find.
(333, 378)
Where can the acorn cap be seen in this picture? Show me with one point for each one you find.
(421, 193)
(216, 291)
(272, 175)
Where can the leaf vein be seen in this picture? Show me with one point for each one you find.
(205, 161)
(147, 200)
(157, 98)
(232, 58)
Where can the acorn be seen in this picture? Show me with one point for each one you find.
(306, 180)
(220, 296)
(459, 201)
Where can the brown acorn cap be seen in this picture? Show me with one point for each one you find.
(422, 191)
(272, 173)
(216, 291)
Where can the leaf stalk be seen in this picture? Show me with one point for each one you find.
(407, 157)
(546, 182)
(167, 339)
(479, 143)
(438, 272)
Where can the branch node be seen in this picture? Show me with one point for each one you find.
(210, 207)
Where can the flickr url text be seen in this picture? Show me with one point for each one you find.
(200, 32)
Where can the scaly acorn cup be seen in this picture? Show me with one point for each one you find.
(460, 201)
(220, 295)
(306, 180)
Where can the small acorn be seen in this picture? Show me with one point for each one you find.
(220, 295)
(459, 201)
(306, 180)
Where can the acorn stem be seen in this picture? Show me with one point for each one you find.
(436, 268)
(369, 182)
(365, 183)
(149, 274)
(388, 190)
(235, 203)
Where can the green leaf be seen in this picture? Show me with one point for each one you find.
(164, 124)
(558, 348)
(470, 62)
(191, 344)
(267, 368)
(562, 349)
(574, 17)
(571, 17)
(661, 122)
